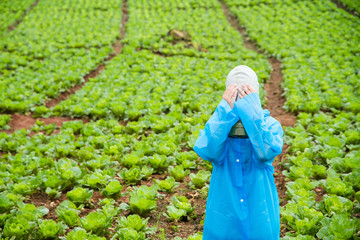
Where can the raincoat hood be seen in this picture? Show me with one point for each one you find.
(243, 74)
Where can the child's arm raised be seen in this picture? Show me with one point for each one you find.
(264, 131)
(210, 145)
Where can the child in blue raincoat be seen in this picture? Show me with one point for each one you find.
(241, 141)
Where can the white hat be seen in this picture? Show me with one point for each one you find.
(241, 75)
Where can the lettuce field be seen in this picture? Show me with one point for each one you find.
(101, 103)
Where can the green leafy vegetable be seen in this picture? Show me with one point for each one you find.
(168, 184)
(96, 222)
(79, 195)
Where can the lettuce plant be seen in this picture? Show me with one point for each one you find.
(4, 120)
(96, 179)
(132, 159)
(75, 126)
(80, 234)
(113, 189)
(30, 212)
(147, 171)
(132, 227)
(196, 236)
(301, 217)
(334, 185)
(159, 162)
(69, 171)
(18, 227)
(168, 184)
(179, 208)
(5, 203)
(53, 193)
(129, 234)
(79, 195)
(50, 229)
(178, 172)
(142, 200)
(336, 204)
(354, 179)
(174, 214)
(182, 202)
(131, 176)
(185, 156)
(339, 226)
(96, 222)
(134, 222)
(68, 213)
(198, 180)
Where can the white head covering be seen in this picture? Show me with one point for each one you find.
(241, 75)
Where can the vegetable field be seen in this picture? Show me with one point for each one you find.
(101, 103)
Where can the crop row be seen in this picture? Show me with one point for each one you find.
(49, 53)
(318, 45)
(130, 88)
(10, 11)
(84, 158)
(320, 67)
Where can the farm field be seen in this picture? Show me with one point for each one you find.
(101, 103)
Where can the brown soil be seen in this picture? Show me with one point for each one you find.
(42, 199)
(343, 6)
(17, 22)
(275, 100)
(320, 192)
(19, 121)
(117, 46)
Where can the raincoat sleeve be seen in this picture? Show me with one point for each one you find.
(264, 131)
(210, 145)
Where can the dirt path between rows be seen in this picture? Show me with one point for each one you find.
(17, 22)
(21, 121)
(275, 102)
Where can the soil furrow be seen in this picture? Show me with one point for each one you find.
(20, 121)
(117, 46)
(275, 102)
(17, 22)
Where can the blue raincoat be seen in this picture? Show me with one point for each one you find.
(243, 202)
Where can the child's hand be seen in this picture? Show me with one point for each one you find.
(247, 90)
(232, 90)
(230, 94)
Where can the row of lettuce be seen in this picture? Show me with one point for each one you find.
(136, 81)
(84, 158)
(163, 86)
(48, 53)
(12, 11)
(318, 44)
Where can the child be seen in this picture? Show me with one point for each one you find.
(241, 140)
